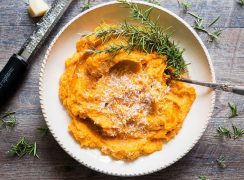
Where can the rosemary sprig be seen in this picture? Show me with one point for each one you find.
(186, 5)
(213, 21)
(235, 133)
(202, 178)
(241, 2)
(43, 130)
(224, 132)
(233, 110)
(221, 161)
(154, 2)
(23, 147)
(8, 120)
(198, 25)
(148, 38)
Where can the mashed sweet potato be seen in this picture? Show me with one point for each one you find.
(120, 103)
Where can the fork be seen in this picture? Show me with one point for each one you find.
(215, 86)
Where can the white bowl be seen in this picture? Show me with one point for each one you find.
(57, 119)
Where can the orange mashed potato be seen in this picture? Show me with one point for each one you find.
(120, 103)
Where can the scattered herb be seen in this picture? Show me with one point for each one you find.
(154, 2)
(43, 130)
(241, 2)
(224, 132)
(221, 161)
(68, 168)
(214, 36)
(233, 110)
(195, 15)
(202, 178)
(150, 38)
(185, 5)
(235, 133)
(87, 5)
(213, 21)
(23, 147)
(198, 25)
(8, 120)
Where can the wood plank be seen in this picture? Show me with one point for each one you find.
(228, 60)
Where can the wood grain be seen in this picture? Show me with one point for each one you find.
(228, 59)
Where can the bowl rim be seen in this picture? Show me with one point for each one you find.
(42, 70)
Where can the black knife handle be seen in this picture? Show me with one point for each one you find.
(12, 72)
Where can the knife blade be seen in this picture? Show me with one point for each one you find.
(17, 65)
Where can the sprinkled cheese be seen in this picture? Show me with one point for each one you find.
(129, 98)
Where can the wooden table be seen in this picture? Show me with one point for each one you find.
(228, 60)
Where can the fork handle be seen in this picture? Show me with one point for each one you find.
(219, 86)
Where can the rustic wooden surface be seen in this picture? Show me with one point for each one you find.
(228, 60)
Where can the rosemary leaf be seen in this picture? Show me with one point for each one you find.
(198, 25)
(237, 133)
(221, 161)
(185, 5)
(233, 110)
(224, 132)
(214, 36)
(194, 15)
(241, 2)
(213, 21)
(8, 120)
(23, 147)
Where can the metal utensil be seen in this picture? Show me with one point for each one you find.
(216, 86)
(15, 68)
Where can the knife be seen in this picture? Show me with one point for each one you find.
(17, 65)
